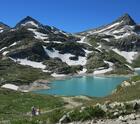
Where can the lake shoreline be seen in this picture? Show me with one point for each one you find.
(60, 82)
(72, 76)
(43, 84)
(91, 75)
(65, 77)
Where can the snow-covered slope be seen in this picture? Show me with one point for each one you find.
(122, 27)
(53, 50)
(28, 21)
(129, 56)
(66, 57)
(121, 35)
(41, 31)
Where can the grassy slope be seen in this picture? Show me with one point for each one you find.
(14, 106)
(125, 94)
(14, 73)
(136, 63)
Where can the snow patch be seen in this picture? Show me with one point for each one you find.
(56, 41)
(110, 63)
(129, 56)
(31, 23)
(104, 70)
(33, 64)
(64, 33)
(46, 71)
(65, 57)
(108, 27)
(10, 86)
(83, 41)
(106, 39)
(3, 49)
(1, 31)
(13, 30)
(98, 48)
(30, 63)
(124, 29)
(38, 35)
(83, 71)
(129, 66)
(13, 44)
(59, 42)
(46, 41)
(58, 75)
(122, 36)
(4, 53)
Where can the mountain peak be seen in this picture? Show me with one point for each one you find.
(127, 19)
(3, 26)
(28, 20)
(126, 15)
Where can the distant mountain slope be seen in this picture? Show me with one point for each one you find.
(122, 36)
(113, 48)
(34, 44)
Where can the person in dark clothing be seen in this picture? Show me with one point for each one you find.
(136, 106)
(33, 111)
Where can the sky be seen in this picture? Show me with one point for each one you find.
(68, 15)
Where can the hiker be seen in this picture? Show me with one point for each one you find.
(33, 111)
(38, 111)
(136, 107)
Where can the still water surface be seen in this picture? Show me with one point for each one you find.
(86, 85)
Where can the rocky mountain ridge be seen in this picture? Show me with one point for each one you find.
(109, 49)
(3, 27)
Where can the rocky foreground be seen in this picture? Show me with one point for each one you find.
(114, 113)
(130, 119)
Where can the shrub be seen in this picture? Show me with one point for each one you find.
(88, 113)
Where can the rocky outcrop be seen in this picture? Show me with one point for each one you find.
(116, 113)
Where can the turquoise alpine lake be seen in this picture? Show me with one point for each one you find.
(86, 85)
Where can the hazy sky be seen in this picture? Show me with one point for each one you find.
(69, 15)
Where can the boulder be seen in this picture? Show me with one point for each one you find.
(132, 117)
(122, 119)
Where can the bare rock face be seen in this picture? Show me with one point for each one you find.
(127, 20)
